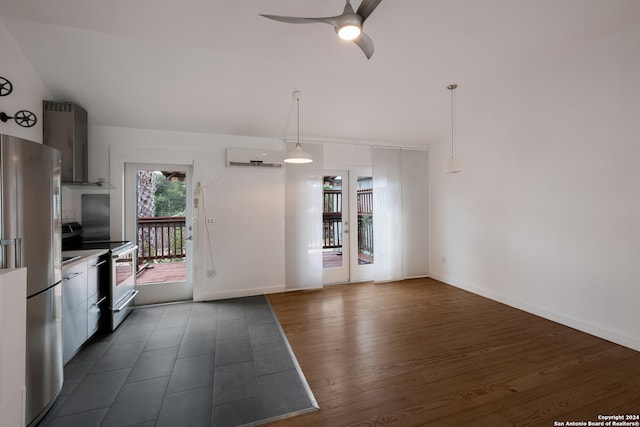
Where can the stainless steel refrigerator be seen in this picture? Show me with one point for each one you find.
(30, 232)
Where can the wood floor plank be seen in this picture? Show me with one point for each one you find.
(420, 352)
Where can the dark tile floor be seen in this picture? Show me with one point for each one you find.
(222, 363)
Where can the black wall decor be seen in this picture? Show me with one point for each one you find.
(5, 87)
(23, 118)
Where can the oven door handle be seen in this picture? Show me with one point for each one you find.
(126, 303)
(119, 254)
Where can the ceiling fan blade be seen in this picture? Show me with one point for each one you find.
(348, 8)
(367, 7)
(331, 20)
(365, 43)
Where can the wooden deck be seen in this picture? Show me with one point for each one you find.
(333, 258)
(164, 272)
(422, 353)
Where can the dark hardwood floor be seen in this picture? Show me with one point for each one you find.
(420, 352)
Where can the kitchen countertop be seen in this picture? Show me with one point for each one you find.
(83, 254)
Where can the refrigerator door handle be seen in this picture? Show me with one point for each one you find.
(17, 256)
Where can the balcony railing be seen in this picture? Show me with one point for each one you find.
(332, 219)
(332, 222)
(161, 239)
(365, 226)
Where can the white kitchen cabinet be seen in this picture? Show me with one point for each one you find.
(74, 309)
(96, 269)
(13, 324)
(81, 299)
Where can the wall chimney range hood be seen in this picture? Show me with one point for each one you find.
(65, 128)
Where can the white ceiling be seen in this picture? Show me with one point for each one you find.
(216, 66)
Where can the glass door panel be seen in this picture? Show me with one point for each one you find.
(365, 219)
(332, 222)
(362, 215)
(159, 219)
(335, 232)
(348, 199)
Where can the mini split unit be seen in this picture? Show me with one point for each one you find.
(254, 158)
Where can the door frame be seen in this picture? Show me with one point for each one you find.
(155, 293)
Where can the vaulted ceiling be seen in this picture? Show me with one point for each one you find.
(216, 66)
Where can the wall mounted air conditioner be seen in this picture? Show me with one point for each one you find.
(254, 158)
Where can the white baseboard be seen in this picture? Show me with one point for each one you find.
(588, 328)
(422, 276)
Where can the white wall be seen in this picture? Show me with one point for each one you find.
(339, 156)
(546, 213)
(247, 239)
(28, 90)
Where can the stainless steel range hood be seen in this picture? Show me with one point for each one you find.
(65, 128)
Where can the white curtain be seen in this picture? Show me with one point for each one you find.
(401, 213)
(303, 220)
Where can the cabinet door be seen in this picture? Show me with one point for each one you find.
(74, 309)
(96, 270)
(74, 284)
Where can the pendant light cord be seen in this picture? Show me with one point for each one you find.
(298, 101)
(453, 101)
(452, 88)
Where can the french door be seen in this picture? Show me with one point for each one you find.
(158, 219)
(347, 226)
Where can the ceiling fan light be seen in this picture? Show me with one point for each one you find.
(297, 155)
(349, 32)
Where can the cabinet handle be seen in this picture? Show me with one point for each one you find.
(100, 301)
(98, 264)
(71, 276)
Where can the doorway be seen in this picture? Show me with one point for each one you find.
(159, 219)
(347, 226)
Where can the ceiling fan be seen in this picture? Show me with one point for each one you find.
(348, 25)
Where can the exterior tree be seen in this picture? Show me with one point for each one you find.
(146, 205)
(170, 196)
(146, 194)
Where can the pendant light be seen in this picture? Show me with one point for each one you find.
(452, 165)
(297, 155)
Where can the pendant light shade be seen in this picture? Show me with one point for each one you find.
(298, 155)
(452, 165)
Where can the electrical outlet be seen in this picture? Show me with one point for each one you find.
(211, 273)
(210, 220)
